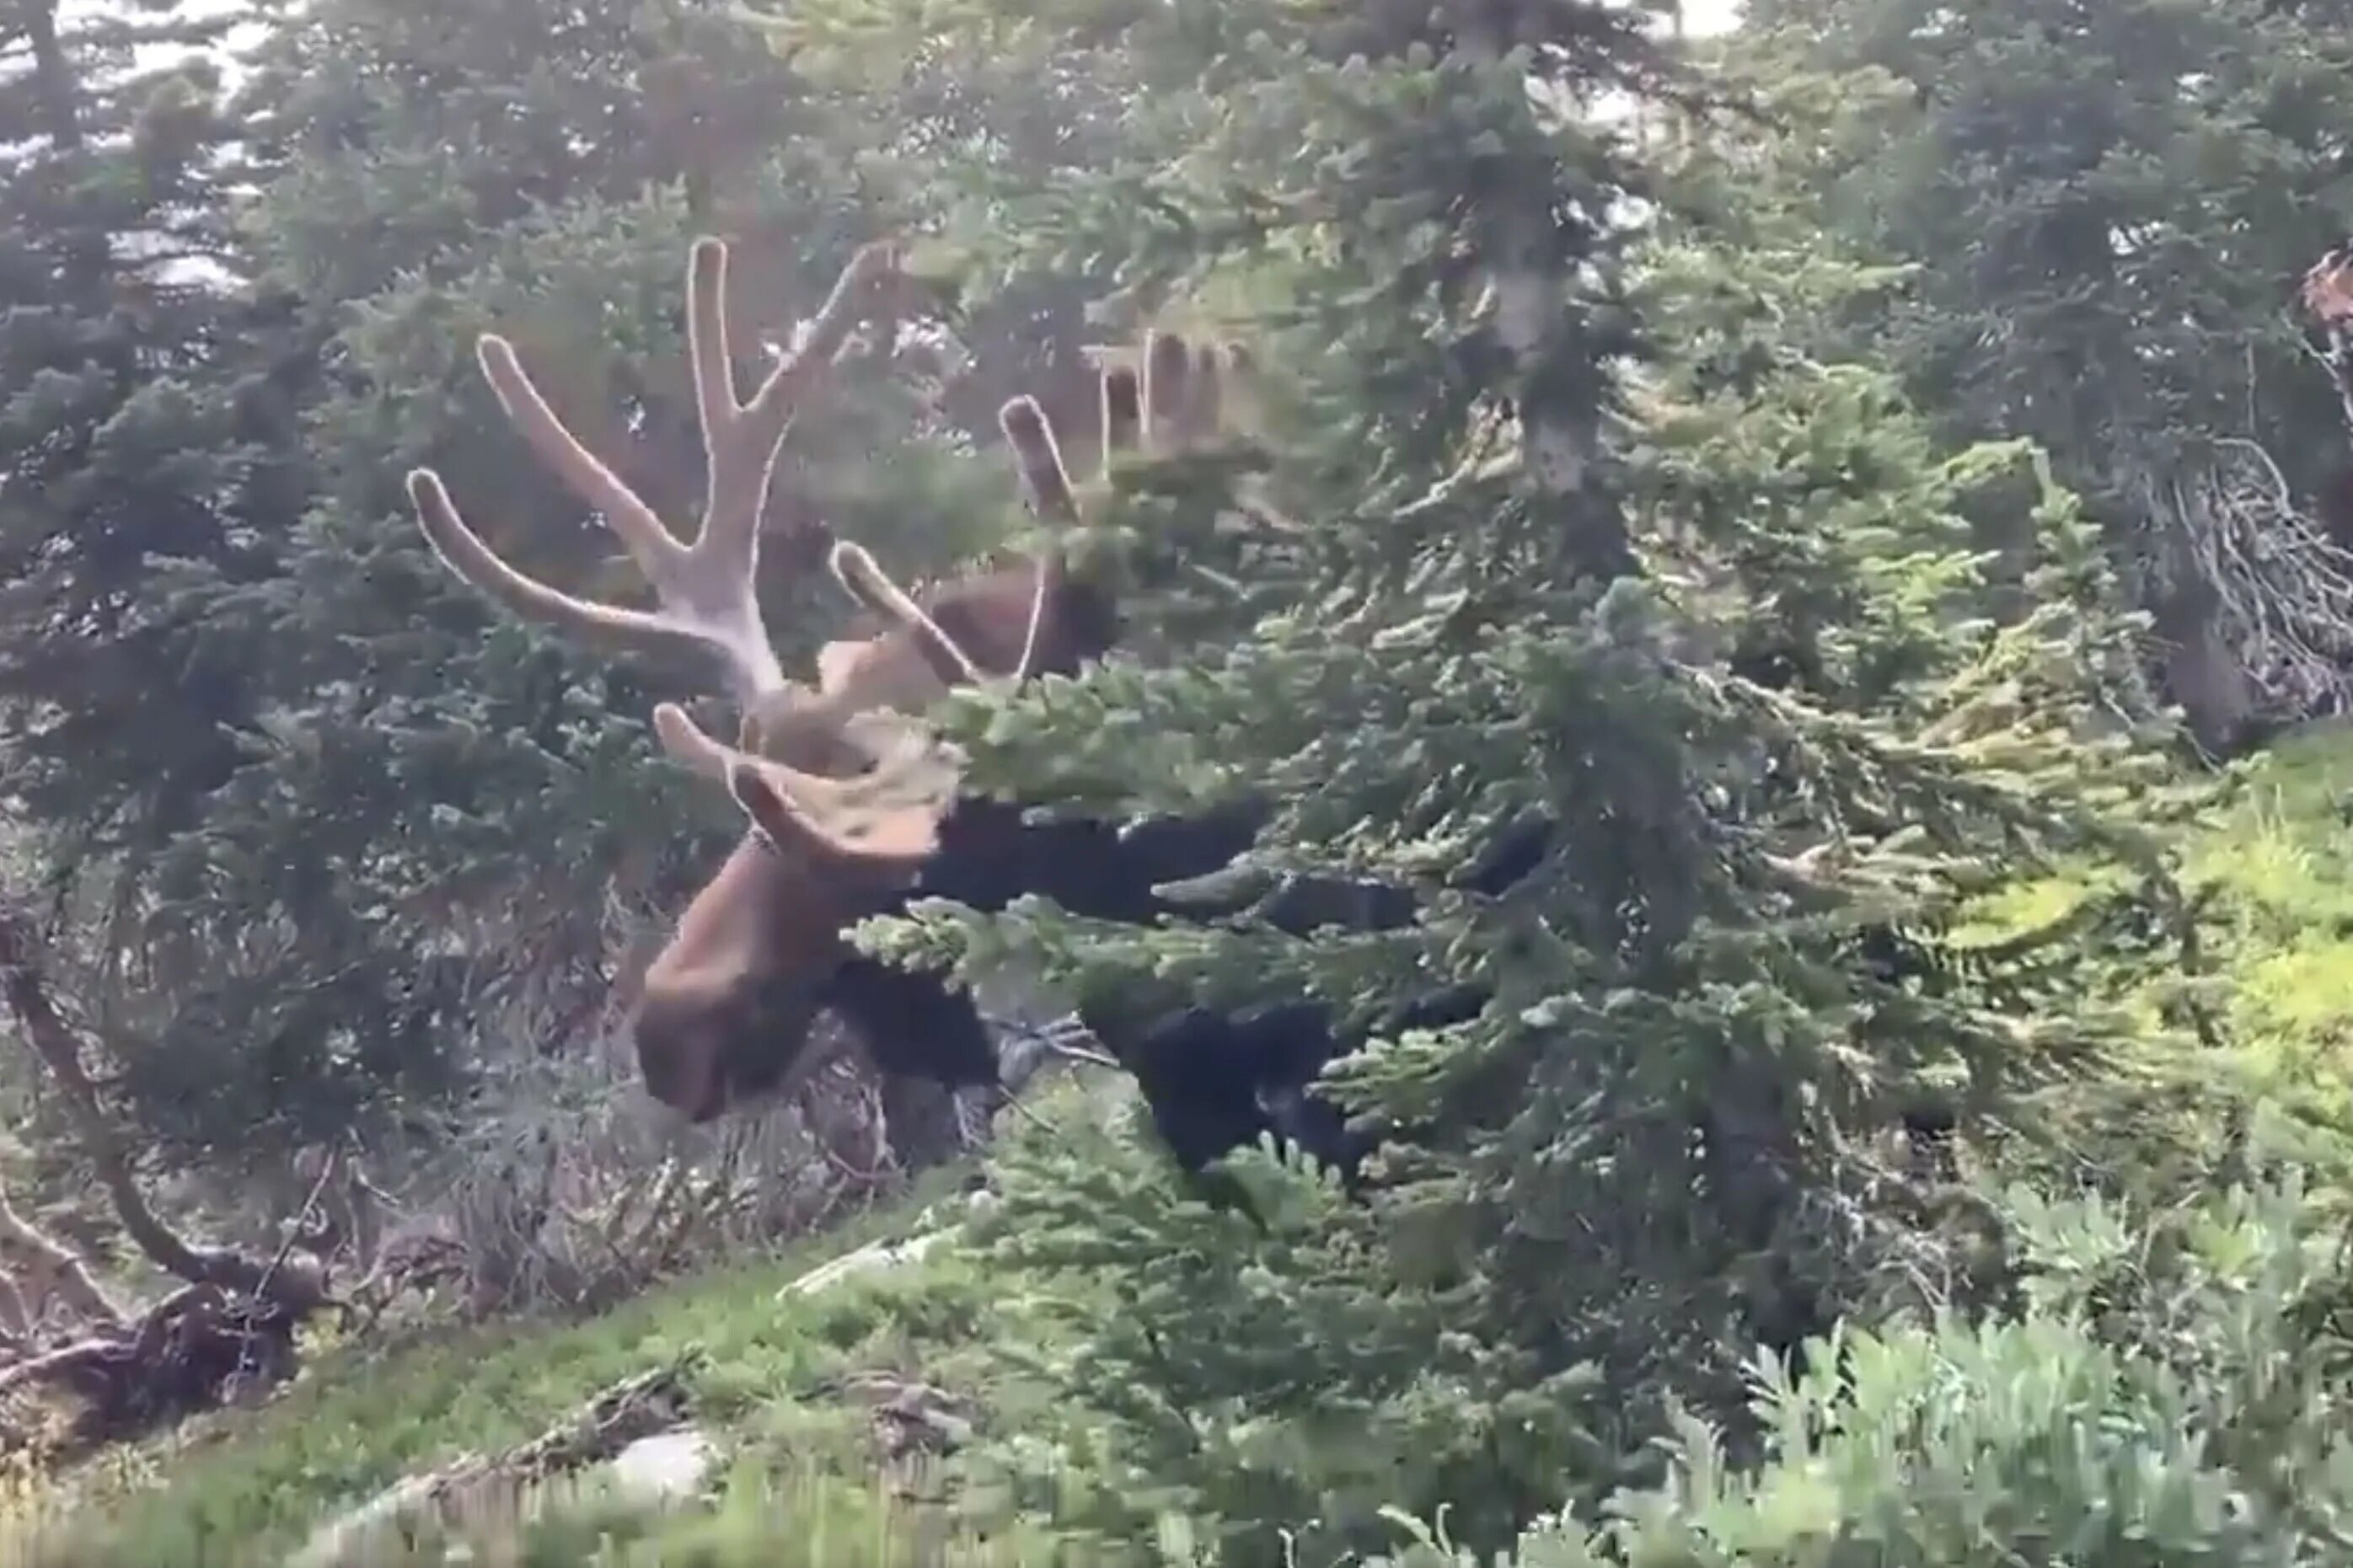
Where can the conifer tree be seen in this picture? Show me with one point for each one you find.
(439, 807)
(1573, 538)
(2107, 209)
(149, 460)
(143, 420)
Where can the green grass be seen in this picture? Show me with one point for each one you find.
(799, 1478)
(248, 1487)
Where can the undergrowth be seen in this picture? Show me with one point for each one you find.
(799, 1479)
(246, 1486)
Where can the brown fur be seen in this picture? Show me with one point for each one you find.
(743, 973)
(706, 992)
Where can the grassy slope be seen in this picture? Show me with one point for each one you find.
(248, 1487)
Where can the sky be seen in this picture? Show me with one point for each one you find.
(1709, 15)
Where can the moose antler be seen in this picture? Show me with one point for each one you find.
(705, 590)
(886, 817)
(842, 770)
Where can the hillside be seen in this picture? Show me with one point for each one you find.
(618, 612)
(770, 1377)
(788, 1385)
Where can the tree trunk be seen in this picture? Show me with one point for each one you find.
(1559, 415)
(53, 74)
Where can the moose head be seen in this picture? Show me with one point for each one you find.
(850, 799)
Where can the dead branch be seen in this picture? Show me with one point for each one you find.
(192, 1351)
(232, 1325)
(54, 1269)
(2282, 589)
(59, 1047)
(15, 1316)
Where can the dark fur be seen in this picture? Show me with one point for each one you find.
(1212, 1082)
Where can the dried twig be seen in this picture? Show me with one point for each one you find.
(2282, 589)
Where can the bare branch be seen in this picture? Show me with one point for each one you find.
(60, 1047)
(2282, 589)
(56, 1268)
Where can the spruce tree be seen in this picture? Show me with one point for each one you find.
(1576, 534)
(441, 808)
(2107, 209)
(144, 421)
(150, 464)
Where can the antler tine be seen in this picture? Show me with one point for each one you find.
(862, 577)
(1122, 413)
(1198, 424)
(1044, 478)
(648, 542)
(463, 552)
(1047, 480)
(1168, 391)
(742, 437)
(706, 589)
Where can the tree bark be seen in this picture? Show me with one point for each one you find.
(53, 76)
(1537, 326)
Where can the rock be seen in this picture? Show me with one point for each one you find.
(665, 1467)
(478, 1491)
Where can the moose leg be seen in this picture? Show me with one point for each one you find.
(928, 1041)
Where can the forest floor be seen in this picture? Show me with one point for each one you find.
(821, 1404)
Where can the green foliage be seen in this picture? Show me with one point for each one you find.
(1656, 1145)
(2084, 189)
(2237, 1018)
(2106, 210)
(363, 1417)
(1814, 655)
(370, 829)
(145, 443)
(2174, 1391)
(1285, 1391)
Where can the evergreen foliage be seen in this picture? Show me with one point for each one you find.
(147, 434)
(388, 865)
(2173, 1392)
(1659, 1143)
(150, 453)
(2106, 210)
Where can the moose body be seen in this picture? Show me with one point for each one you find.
(854, 808)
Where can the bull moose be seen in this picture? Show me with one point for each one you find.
(853, 807)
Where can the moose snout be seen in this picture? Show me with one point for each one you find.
(683, 1077)
(704, 1057)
